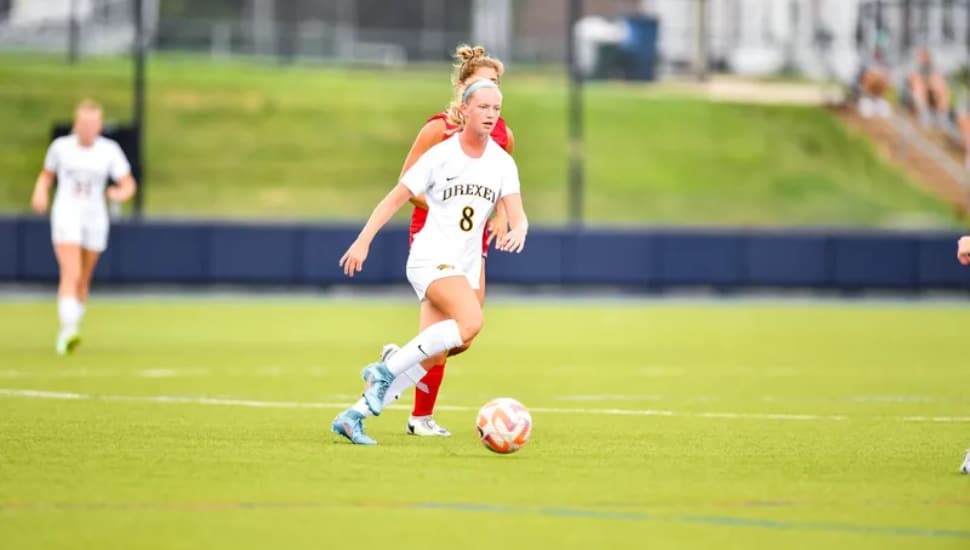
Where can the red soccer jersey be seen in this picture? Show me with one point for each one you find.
(500, 134)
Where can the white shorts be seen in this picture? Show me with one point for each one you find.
(90, 232)
(422, 273)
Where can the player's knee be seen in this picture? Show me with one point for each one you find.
(469, 326)
(434, 361)
(71, 279)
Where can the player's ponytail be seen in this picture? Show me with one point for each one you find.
(468, 60)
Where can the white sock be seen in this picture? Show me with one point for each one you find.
(439, 337)
(400, 384)
(361, 407)
(405, 364)
(403, 381)
(70, 310)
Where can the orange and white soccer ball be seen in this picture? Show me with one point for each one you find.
(504, 425)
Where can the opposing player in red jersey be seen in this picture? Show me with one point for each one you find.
(473, 63)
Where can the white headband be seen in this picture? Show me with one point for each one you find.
(477, 85)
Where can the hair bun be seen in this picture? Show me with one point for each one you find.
(466, 53)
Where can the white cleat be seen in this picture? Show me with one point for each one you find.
(425, 426)
(66, 342)
(966, 464)
(388, 350)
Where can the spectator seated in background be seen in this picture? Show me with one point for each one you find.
(871, 87)
(926, 90)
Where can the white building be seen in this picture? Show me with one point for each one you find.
(769, 36)
(106, 26)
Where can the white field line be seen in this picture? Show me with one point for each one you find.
(172, 373)
(230, 402)
(275, 371)
(258, 372)
(935, 418)
(893, 399)
(610, 397)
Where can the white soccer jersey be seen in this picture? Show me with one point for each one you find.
(82, 174)
(461, 192)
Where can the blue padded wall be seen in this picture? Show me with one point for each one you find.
(281, 254)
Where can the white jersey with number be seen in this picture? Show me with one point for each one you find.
(83, 172)
(461, 192)
(79, 214)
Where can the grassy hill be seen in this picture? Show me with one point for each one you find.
(240, 139)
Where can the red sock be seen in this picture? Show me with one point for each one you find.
(424, 402)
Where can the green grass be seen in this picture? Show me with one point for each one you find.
(259, 140)
(108, 472)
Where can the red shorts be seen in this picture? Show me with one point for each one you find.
(418, 219)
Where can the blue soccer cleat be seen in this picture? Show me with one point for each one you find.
(378, 379)
(350, 424)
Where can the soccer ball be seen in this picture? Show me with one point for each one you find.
(504, 425)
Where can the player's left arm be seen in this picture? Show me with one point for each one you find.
(124, 189)
(120, 171)
(963, 250)
(514, 240)
(498, 226)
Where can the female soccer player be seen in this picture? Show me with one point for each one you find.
(82, 163)
(963, 250)
(463, 178)
(473, 64)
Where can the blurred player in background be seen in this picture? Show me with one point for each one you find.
(963, 250)
(473, 63)
(82, 162)
(463, 179)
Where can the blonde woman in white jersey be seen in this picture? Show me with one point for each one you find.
(82, 163)
(463, 178)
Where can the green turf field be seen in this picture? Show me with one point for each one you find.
(204, 424)
(240, 139)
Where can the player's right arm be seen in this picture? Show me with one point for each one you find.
(41, 198)
(413, 182)
(963, 250)
(353, 260)
(429, 136)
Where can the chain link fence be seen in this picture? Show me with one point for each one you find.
(814, 38)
